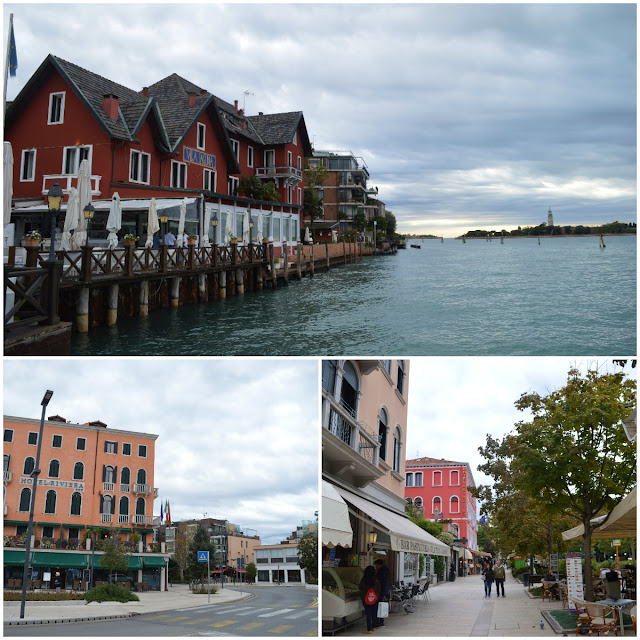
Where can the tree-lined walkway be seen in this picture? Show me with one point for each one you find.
(459, 609)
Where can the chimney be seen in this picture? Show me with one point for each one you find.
(260, 113)
(56, 418)
(145, 91)
(244, 124)
(192, 98)
(235, 105)
(110, 105)
(203, 92)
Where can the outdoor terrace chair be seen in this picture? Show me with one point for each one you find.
(564, 594)
(583, 619)
(10, 583)
(37, 584)
(424, 591)
(602, 618)
(548, 590)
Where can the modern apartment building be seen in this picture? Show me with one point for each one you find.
(278, 564)
(364, 420)
(94, 482)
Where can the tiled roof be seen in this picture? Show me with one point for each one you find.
(431, 461)
(276, 128)
(233, 122)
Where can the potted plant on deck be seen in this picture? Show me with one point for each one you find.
(191, 241)
(130, 240)
(233, 240)
(33, 239)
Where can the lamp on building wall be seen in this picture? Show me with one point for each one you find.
(372, 538)
(54, 203)
(164, 220)
(214, 224)
(89, 211)
(34, 476)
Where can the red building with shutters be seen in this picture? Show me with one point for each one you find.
(172, 139)
(434, 484)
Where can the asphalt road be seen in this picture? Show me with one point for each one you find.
(271, 611)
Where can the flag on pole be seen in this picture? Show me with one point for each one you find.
(13, 55)
(168, 515)
(161, 514)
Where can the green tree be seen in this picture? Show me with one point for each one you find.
(391, 223)
(115, 557)
(252, 571)
(200, 542)
(573, 455)
(360, 221)
(313, 206)
(308, 554)
(314, 174)
(255, 189)
(181, 553)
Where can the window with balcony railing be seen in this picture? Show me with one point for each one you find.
(340, 427)
(329, 376)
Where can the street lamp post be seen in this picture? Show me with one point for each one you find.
(54, 202)
(164, 220)
(214, 224)
(34, 474)
(89, 211)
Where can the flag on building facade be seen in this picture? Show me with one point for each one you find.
(13, 54)
(161, 514)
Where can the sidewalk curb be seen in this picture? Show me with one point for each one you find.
(120, 616)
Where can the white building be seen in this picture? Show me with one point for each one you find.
(278, 564)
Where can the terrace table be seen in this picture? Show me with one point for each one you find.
(618, 604)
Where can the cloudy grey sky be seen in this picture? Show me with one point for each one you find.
(455, 402)
(468, 116)
(238, 439)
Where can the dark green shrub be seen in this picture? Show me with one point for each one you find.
(110, 593)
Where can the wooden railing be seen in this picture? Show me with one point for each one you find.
(36, 295)
(92, 263)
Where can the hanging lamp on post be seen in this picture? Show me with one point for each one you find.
(54, 203)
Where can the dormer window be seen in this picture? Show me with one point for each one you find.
(56, 108)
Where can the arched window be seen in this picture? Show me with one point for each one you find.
(437, 478)
(387, 366)
(418, 478)
(108, 505)
(436, 506)
(401, 374)
(141, 477)
(125, 476)
(78, 471)
(76, 503)
(140, 506)
(54, 469)
(6, 459)
(409, 480)
(29, 466)
(454, 478)
(409, 501)
(109, 474)
(25, 499)
(329, 376)
(123, 509)
(349, 390)
(383, 428)
(454, 504)
(418, 502)
(397, 449)
(50, 501)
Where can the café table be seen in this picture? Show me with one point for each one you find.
(618, 604)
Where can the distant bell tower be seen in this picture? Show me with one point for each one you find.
(550, 218)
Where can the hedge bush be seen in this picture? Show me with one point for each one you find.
(110, 593)
(36, 596)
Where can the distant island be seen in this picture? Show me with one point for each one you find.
(612, 228)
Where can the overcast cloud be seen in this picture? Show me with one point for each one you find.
(468, 116)
(238, 439)
(455, 402)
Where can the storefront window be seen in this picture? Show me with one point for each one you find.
(293, 575)
(263, 576)
(276, 229)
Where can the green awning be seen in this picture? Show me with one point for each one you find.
(154, 562)
(64, 560)
(55, 525)
(135, 562)
(13, 558)
(73, 526)
(15, 522)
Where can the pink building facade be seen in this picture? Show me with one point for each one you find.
(440, 488)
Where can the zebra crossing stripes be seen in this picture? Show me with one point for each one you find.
(299, 614)
(281, 629)
(247, 611)
(277, 612)
(251, 626)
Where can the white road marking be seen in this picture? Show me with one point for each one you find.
(275, 613)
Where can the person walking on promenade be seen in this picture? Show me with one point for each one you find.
(499, 574)
(370, 592)
(169, 239)
(488, 576)
(382, 574)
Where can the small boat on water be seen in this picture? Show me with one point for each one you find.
(415, 246)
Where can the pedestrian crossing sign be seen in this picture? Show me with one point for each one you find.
(203, 556)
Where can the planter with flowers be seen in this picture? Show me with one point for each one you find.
(33, 239)
(191, 241)
(233, 240)
(130, 240)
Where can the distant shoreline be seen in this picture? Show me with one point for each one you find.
(569, 235)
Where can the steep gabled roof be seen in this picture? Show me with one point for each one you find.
(233, 122)
(279, 128)
(90, 89)
(174, 95)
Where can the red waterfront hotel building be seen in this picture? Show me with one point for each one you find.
(438, 485)
(170, 140)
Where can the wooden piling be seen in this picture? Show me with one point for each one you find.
(285, 257)
(143, 300)
(112, 304)
(175, 292)
(239, 282)
(222, 285)
(82, 311)
(259, 278)
(312, 268)
(272, 263)
(203, 292)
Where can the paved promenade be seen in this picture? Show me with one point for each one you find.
(459, 609)
(177, 597)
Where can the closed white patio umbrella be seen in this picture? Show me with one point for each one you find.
(70, 219)
(204, 236)
(227, 228)
(153, 224)
(183, 215)
(114, 222)
(79, 238)
(259, 235)
(246, 231)
(7, 177)
(307, 235)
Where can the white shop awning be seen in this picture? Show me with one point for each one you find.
(336, 528)
(135, 204)
(404, 534)
(620, 524)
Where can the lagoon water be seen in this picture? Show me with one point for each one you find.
(564, 296)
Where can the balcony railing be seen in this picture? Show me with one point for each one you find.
(125, 488)
(108, 486)
(155, 492)
(142, 488)
(106, 517)
(141, 519)
(6, 509)
(8, 475)
(68, 181)
(279, 172)
(353, 433)
(123, 518)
